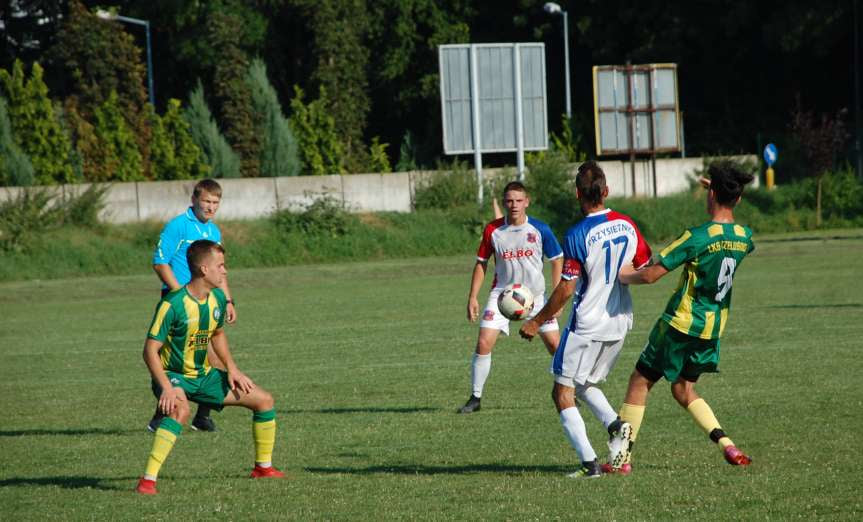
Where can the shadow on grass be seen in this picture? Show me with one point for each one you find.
(63, 482)
(72, 431)
(409, 409)
(419, 469)
(801, 306)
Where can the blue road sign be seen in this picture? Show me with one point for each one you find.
(770, 154)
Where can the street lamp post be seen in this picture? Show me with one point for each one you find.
(108, 15)
(553, 9)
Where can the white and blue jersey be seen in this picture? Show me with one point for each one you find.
(175, 239)
(594, 250)
(518, 251)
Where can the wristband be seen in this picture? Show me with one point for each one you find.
(231, 301)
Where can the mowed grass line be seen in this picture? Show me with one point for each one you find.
(368, 362)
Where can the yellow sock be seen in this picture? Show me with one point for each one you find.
(264, 433)
(163, 443)
(633, 414)
(704, 417)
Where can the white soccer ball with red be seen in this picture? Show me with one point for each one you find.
(515, 302)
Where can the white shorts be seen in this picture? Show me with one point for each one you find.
(578, 360)
(492, 318)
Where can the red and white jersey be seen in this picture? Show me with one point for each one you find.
(594, 249)
(518, 252)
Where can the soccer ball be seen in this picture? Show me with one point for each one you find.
(515, 302)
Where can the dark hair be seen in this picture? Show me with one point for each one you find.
(198, 253)
(590, 182)
(727, 182)
(514, 185)
(209, 185)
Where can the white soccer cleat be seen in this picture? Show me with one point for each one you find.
(619, 446)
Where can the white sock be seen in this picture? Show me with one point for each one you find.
(479, 370)
(597, 402)
(573, 428)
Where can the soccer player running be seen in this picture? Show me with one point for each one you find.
(594, 250)
(684, 343)
(169, 263)
(518, 244)
(188, 322)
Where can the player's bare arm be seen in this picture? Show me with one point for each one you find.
(556, 301)
(236, 378)
(231, 311)
(166, 275)
(630, 276)
(475, 284)
(168, 398)
(556, 271)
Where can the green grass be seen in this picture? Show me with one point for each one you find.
(368, 362)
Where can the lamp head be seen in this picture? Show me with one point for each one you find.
(552, 8)
(105, 15)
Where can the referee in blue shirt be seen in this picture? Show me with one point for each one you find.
(169, 263)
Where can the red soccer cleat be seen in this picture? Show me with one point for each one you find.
(625, 469)
(146, 487)
(735, 457)
(270, 472)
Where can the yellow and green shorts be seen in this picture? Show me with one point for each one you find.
(211, 389)
(672, 354)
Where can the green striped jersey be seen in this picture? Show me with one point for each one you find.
(710, 253)
(185, 326)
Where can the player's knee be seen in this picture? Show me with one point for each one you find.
(181, 412)
(265, 401)
(682, 394)
(580, 390)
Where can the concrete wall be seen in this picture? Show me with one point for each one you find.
(257, 197)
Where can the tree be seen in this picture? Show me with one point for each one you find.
(341, 57)
(218, 155)
(118, 157)
(35, 124)
(378, 159)
(15, 166)
(173, 153)
(821, 139)
(315, 128)
(279, 156)
(403, 40)
(97, 58)
(232, 93)
(29, 28)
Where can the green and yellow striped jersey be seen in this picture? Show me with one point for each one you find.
(185, 326)
(710, 253)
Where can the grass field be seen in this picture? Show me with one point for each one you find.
(368, 363)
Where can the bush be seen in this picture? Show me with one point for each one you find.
(36, 210)
(552, 189)
(83, 210)
(324, 217)
(26, 215)
(454, 187)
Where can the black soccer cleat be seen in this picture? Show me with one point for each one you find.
(200, 423)
(472, 405)
(587, 470)
(153, 425)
